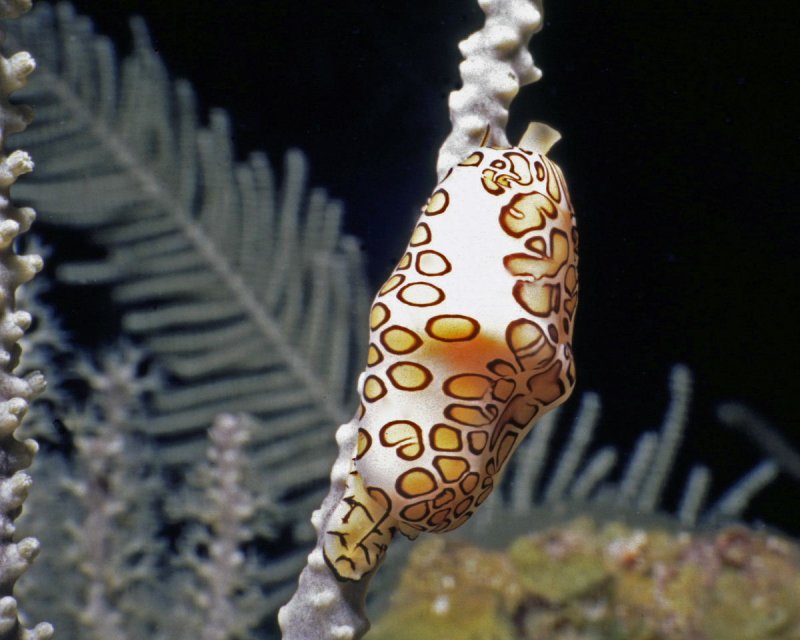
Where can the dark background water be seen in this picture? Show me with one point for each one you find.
(680, 145)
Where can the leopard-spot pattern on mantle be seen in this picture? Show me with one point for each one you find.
(470, 341)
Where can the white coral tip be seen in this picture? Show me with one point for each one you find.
(27, 267)
(527, 16)
(22, 319)
(33, 263)
(9, 229)
(283, 617)
(23, 63)
(324, 599)
(343, 632)
(36, 381)
(27, 217)
(8, 613)
(14, 490)
(19, 162)
(29, 548)
(316, 560)
(503, 38)
(343, 433)
(42, 631)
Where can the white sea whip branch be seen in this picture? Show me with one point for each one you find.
(496, 64)
(15, 392)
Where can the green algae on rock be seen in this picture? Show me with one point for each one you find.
(452, 589)
(585, 581)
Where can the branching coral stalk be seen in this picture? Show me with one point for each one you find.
(231, 507)
(15, 392)
(496, 64)
(102, 455)
(323, 607)
(112, 558)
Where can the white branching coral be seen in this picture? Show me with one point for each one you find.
(222, 588)
(496, 64)
(112, 561)
(323, 607)
(15, 392)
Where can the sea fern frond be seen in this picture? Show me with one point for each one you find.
(248, 294)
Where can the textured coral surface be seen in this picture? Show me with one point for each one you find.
(585, 581)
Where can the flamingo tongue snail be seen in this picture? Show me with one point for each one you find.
(470, 341)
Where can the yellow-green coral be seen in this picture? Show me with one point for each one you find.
(611, 582)
(453, 590)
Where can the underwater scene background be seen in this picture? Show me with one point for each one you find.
(680, 145)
